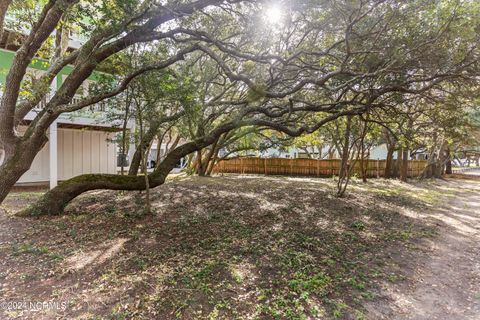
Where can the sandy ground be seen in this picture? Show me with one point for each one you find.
(445, 280)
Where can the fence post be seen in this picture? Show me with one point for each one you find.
(318, 167)
(291, 166)
(265, 165)
(378, 168)
(241, 165)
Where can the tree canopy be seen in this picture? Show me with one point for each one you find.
(219, 71)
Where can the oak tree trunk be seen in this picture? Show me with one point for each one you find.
(18, 157)
(403, 164)
(448, 163)
(344, 173)
(389, 161)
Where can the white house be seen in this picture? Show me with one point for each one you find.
(377, 152)
(77, 145)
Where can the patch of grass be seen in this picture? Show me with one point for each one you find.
(28, 248)
(25, 195)
(140, 263)
(339, 309)
(303, 284)
(358, 225)
(360, 315)
(392, 278)
(236, 275)
(356, 283)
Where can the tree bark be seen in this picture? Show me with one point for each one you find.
(145, 141)
(124, 131)
(389, 161)
(403, 164)
(363, 155)
(219, 145)
(345, 149)
(148, 206)
(344, 173)
(396, 164)
(18, 157)
(41, 30)
(442, 159)
(391, 143)
(159, 145)
(84, 62)
(331, 153)
(213, 162)
(434, 160)
(158, 156)
(448, 163)
(137, 157)
(205, 163)
(448, 167)
(3, 11)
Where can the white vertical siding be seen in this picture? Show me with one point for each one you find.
(65, 153)
(79, 152)
(112, 154)
(95, 152)
(86, 157)
(103, 154)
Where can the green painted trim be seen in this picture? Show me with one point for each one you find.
(6, 60)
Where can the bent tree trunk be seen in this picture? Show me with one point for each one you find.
(55, 201)
(10, 172)
(18, 158)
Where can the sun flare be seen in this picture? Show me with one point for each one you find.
(273, 14)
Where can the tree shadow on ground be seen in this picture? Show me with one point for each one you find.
(226, 248)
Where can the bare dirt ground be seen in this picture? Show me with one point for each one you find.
(248, 247)
(445, 280)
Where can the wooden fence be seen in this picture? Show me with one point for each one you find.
(306, 167)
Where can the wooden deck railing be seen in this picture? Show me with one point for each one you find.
(306, 167)
(97, 107)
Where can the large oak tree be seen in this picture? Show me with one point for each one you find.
(324, 60)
